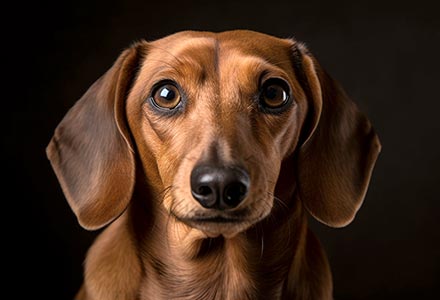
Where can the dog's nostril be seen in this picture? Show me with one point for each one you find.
(204, 190)
(234, 193)
(219, 187)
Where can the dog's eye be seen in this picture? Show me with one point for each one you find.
(166, 96)
(274, 95)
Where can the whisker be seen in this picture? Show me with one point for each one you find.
(166, 193)
(175, 207)
(278, 200)
(262, 245)
(286, 210)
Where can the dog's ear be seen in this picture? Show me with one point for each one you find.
(338, 151)
(91, 152)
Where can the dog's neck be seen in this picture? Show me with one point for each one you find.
(182, 263)
(221, 270)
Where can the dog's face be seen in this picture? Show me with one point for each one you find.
(213, 118)
(218, 115)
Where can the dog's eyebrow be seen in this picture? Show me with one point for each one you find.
(196, 54)
(297, 59)
(297, 65)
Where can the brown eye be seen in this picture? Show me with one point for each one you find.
(166, 96)
(274, 96)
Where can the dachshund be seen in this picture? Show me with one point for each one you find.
(203, 154)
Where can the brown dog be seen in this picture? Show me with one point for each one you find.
(201, 152)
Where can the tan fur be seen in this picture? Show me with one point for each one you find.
(123, 165)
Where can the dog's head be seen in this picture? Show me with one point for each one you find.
(212, 119)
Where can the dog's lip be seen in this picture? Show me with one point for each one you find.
(216, 223)
(215, 219)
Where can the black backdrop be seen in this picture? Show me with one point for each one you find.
(385, 54)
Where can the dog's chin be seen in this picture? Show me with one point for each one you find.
(227, 230)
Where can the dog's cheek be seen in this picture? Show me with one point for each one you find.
(175, 167)
(265, 174)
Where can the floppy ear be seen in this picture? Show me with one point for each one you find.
(340, 148)
(91, 152)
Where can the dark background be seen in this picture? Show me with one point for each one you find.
(385, 54)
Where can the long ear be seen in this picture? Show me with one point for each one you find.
(336, 159)
(91, 152)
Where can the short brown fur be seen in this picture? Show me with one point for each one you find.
(125, 165)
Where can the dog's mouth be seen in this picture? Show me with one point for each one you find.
(216, 219)
(221, 223)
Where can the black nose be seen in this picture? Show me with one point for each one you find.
(219, 187)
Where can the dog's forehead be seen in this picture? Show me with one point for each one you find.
(239, 42)
(255, 43)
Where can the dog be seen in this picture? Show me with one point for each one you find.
(202, 154)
